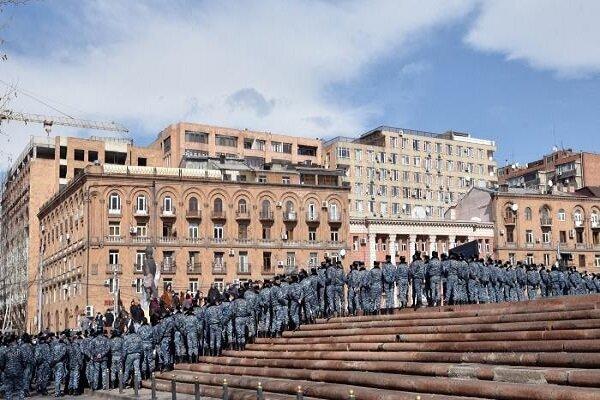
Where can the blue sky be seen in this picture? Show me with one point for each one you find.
(526, 74)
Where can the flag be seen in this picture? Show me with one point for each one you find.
(469, 249)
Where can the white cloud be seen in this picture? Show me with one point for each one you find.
(256, 64)
(557, 35)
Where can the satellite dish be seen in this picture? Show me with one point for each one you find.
(514, 207)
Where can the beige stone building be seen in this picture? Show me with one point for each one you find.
(536, 226)
(42, 169)
(403, 182)
(213, 221)
(255, 147)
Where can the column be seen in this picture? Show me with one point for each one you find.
(392, 247)
(432, 243)
(451, 242)
(412, 246)
(372, 251)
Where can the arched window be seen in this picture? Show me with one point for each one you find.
(289, 206)
(114, 203)
(578, 217)
(218, 205)
(242, 206)
(193, 204)
(334, 212)
(265, 206)
(528, 214)
(168, 205)
(595, 219)
(141, 204)
(545, 212)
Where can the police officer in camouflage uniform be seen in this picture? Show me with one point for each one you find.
(27, 350)
(417, 272)
(75, 364)
(13, 364)
(338, 283)
(164, 339)
(376, 287)
(309, 295)
(241, 315)
(402, 282)
(132, 350)
(42, 362)
(389, 277)
(353, 281)
(295, 301)
(214, 321)
(545, 284)
(434, 273)
(192, 332)
(148, 342)
(264, 299)
(484, 282)
(521, 281)
(59, 351)
(472, 283)
(100, 350)
(179, 336)
(322, 279)
(116, 359)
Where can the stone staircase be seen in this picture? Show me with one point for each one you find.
(534, 350)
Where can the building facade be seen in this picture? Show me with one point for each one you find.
(257, 148)
(539, 227)
(403, 174)
(215, 221)
(562, 170)
(44, 167)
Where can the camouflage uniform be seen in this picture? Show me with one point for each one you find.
(389, 276)
(452, 282)
(132, 350)
(521, 282)
(13, 364)
(147, 335)
(116, 360)
(417, 274)
(365, 291)
(264, 298)
(42, 362)
(376, 288)
(322, 279)
(179, 335)
(215, 328)
(434, 272)
(402, 284)
(241, 318)
(192, 330)
(353, 280)
(533, 281)
(27, 350)
(295, 297)
(75, 364)
(100, 349)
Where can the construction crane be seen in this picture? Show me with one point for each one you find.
(48, 121)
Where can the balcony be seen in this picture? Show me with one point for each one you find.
(168, 267)
(244, 269)
(219, 241)
(193, 214)
(141, 240)
(582, 246)
(266, 216)
(218, 214)
(334, 218)
(595, 224)
(193, 241)
(268, 270)
(114, 212)
(244, 242)
(290, 216)
(137, 212)
(194, 267)
(167, 212)
(112, 268)
(219, 268)
(242, 215)
(510, 219)
(114, 239)
(170, 240)
(546, 221)
(312, 217)
(138, 268)
(511, 245)
(266, 242)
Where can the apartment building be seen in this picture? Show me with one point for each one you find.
(564, 170)
(257, 148)
(45, 166)
(536, 226)
(215, 220)
(402, 183)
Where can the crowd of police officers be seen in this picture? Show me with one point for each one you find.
(69, 361)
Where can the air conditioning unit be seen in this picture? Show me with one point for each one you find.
(134, 283)
(132, 230)
(283, 236)
(231, 253)
(89, 311)
(363, 241)
(324, 204)
(279, 204)
(280, 263)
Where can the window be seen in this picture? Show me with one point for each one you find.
(357, 154)
(343, 152)
(254, 144)
(267, 261)
(196, 137)
(141, 205)
(228, 141)
(167, 283)
(290, 259)
(219, 284)
(334, 213)
(168, 205)
(262, 179)
(193, 286)
(139, 285)
(562, 216)
(546, 237)
(334, 235)
(266, 232)
(578, 217)
(265, 208)
(167, 145)
(242, 206)
(243, 266)
(113, 257)
(597, 260)
(92, 156)
(528, 214)
(141, 229)
(79, 155)
(313, 259)
(358, 206)
(140, 257)
(285, 180)
(530, 260)
(312, 234)
(528, 236)
(562, 236)
(193, 231)
(114, 204)
(218, 205)
(113, 285)
(114, 229)
(142, 161)
(193, 204)
(218, 231)
(312, 211)
(416, 145)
